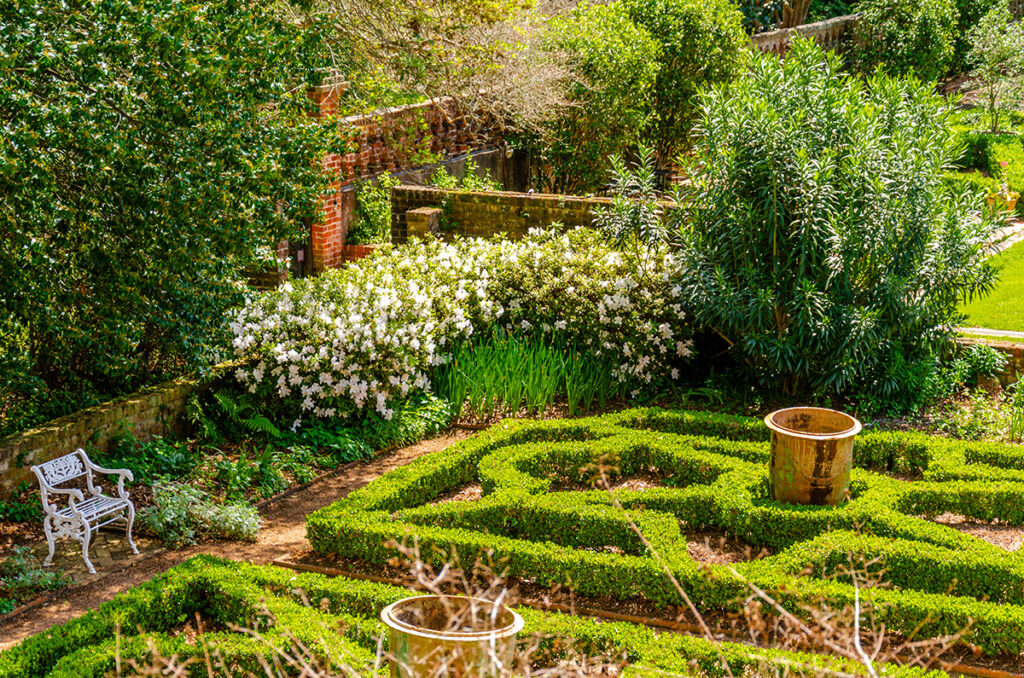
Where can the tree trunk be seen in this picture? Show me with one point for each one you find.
(794, 12)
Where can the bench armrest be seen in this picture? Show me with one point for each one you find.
(122, 474)
(74, 494)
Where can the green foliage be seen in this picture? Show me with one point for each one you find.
(1016, 428)
(825, 246)
(23, 506)
(502, 373)
(373, 212)
(229, 415)
(153, 150)
(702, 42)
(344, 626)
(969, 14)
(181, 514)
(471, 179)
(906, 36)
(714, 477)
(635, 221)
(149, 461)
(339, 441)
(22, 577)
(614, 64)
(415, 418)
(997, 57)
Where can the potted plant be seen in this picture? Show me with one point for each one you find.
(451, 636)
(1004, 198)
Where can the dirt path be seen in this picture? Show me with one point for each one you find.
(283, 533)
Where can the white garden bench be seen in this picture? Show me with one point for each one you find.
(81, 517)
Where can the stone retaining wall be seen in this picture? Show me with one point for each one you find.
(486, 214)
(152, 411)
(1014, 352)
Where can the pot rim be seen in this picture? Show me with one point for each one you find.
(396, 624)
(854, 429)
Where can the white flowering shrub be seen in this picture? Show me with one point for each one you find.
(366, 336)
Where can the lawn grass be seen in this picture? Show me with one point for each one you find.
(1003, 309)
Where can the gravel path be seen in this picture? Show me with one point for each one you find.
(283, 533)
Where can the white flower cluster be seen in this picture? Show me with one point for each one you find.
(369, 334)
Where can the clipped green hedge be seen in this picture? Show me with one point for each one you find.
(342, 622)
(536, 519)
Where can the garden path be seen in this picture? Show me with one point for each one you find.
(283, 533)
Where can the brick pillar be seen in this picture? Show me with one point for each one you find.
(327, 236)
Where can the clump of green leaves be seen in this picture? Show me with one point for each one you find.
(229, 415)
(22, 576)
(373, 212)
(23, 506)
(825, 246)
(148, 460)
(153, 151)
(181, 514)
(906, 36)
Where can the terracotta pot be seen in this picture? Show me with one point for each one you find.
(484, 646)
(1008, 205)
(812, 453)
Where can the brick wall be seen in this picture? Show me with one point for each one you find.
(487, 214)
(390, 140)
(152, 411)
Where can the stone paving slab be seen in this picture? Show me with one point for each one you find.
(109, 551)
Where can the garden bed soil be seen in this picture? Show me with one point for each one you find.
(1006, 537)
(724, 627)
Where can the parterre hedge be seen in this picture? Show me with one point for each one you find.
(714, 476)
(342, 621)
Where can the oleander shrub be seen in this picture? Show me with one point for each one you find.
(609, 104)
(365, 337)
(542, 516)
(341, 628)
(906, 36)
(702, 42)
(826, 246)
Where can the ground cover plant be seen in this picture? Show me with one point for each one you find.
(340, 628)
(539, 516)
(1001, 309)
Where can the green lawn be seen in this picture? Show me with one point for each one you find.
(1003, 309)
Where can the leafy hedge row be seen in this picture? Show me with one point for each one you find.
(713, 471)
(225, 592)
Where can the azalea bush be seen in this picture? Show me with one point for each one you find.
(365, 337)
(825, 246)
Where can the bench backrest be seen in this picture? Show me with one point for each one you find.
(63, 469)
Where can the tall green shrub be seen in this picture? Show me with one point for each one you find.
(903, 36)
(610, 97)
(702, 42)
(152, 149)
(825, 246)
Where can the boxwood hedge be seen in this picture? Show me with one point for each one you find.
(534, 517)
(342, 622)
